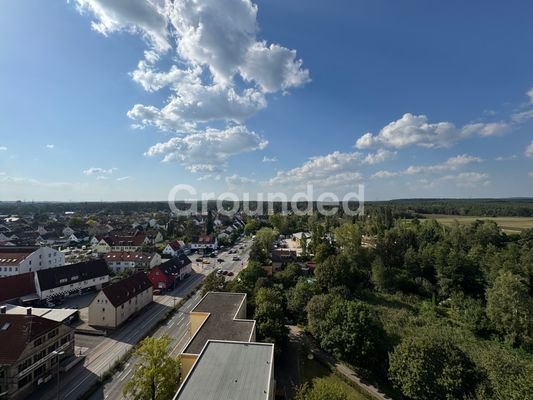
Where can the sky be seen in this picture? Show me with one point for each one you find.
(122, 100)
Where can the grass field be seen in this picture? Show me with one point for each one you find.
(508, 224)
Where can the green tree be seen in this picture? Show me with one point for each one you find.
(321, 389)
(288, 276)
(213, 283)
(509, 307)
(270, 316)
(348, 239)
(299, 296)
(432, 367)
(155, 376)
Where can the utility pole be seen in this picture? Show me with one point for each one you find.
(58, 354)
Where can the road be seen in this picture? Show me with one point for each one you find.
(99, 359)
(177, 327)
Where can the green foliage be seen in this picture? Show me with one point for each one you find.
(213, 283)
(299, 296)
(155, 376)
(510, 308)
(321, 389)
(432, 367)
(288, 276)
(270, 316)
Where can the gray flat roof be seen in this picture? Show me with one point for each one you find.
(221, 323)
(54, 314)
(232, 371)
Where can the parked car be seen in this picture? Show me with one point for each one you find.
(230, 273)
(220, 260)
(199, 260)
(207, 262)
(236, 258)
(224, 272)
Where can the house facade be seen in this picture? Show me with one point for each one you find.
(29, 356)
(123, 261)
(204, 242)
(172, 249)
(19, 260)
(167, 275)
(115, 303)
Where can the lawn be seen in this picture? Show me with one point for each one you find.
(508, 224)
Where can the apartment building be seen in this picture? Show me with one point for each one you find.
(31, 348)
(136, 261)
(168, 274)
(115, 303)
(19, 260)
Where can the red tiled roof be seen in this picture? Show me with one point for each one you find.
(16, 286)
(175, 245)
(16, 331)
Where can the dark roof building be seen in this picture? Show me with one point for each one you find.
(13, 288)
(126, 289)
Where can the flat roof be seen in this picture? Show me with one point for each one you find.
(230, 370)
(221, 323)
(54, 314)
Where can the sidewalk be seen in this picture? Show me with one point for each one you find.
(342, 369)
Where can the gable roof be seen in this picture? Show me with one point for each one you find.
(13, 287)
(175, 264)
(16, 331)
(50, 278)
(174, 245)
(115, 256)
(120, 292)
(10, 255)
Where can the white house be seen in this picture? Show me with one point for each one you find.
(123, 261)
(115, 303)
(204, 242)
(172, 249)
(18, 260)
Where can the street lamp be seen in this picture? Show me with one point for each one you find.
(58, 353)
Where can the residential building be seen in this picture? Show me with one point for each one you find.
(172, 249)
(74, 278)
(136, 261)
(218, 316)
(204, 242)
(115, 303)
(166, 275)
(29, 354)
(231, 370)
(18, 260)
(124, 243)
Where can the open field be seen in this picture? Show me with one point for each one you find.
(508, 224)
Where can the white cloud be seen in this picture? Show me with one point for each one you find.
(416, 130)
(530, 95)
(135, 16)
(237, 180)
(384, 174)
(452, 164)
(506, 158)
(3, 148)
(50, 146)
(529, 150)
(124, 178)
(469, 179)
(378, 157)
(214, 46)
(99, 171)
(208, 151)
(269, 159)
(522, 116)
(209, 177)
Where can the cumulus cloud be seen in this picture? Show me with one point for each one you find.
(337, 169)
(50, 146)
(208, 151)
(416, 130)
(237, 180)
(3, 148)
(99, 171)
(507, 158)
(452, 164)
(529, 150)
(135, 16)
(269, 159)
(124, 178)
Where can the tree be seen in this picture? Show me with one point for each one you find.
(213, 283)
(432, 367)
(321, 389)
(299, 296)
(270, 316)
(288, 276)
(348, 239)
(509, 307)
(155, 376)
(265, 239)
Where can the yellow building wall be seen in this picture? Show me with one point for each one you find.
(187, 362)
(197, 319)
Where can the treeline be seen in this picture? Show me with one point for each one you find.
(428, 312)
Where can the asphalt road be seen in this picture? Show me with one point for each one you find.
(177, 327)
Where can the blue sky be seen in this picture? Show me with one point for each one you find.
(122, 100)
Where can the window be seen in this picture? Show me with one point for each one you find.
(24, 381)
(38, 342)
(103, 309)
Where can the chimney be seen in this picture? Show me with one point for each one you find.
(28, 310)
(3, 310)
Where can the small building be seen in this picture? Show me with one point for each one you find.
(166, 275)
(115, 303)
(136, 261)
(204, 242)
(172, 249)
(70, 279)
(29, 354)
(19, 260)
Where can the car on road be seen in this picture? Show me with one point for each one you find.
(224, 272)
(199, 260)
(230, 273)
(220, 260)
(236, 258)
(207, 262)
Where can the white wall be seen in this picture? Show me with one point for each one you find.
(42, 258)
